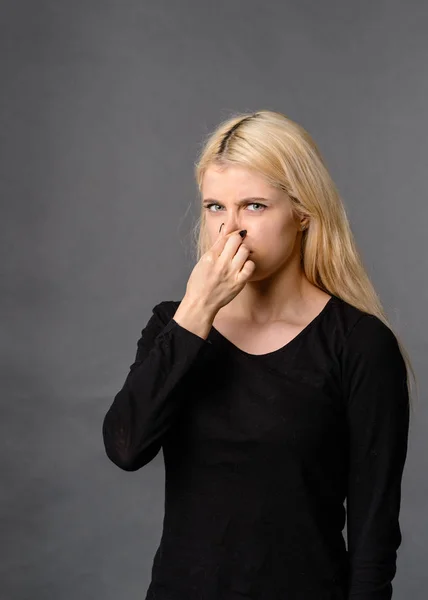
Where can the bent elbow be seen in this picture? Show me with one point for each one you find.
(126, 458)
(130, 442)
(133, 462)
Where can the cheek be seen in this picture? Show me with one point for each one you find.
(274, 234)
(273, 243)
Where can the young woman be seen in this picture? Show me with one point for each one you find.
(276, 389)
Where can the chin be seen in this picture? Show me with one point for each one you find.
(258, 275)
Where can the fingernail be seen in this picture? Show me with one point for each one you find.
(243, 233)
(220, 227)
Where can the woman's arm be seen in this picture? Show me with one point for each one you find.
(375, 385)
(143, 409)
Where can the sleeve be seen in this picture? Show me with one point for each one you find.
(377, 404)
(143, 409)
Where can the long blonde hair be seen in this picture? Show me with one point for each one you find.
(289, 159)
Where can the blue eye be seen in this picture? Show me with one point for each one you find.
(208, 206)
(258, 204)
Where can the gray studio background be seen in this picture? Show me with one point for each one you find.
(103, 107)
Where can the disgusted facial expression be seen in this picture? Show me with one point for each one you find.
(243, 199)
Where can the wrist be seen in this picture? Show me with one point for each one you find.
(195, 315)
(199, 307)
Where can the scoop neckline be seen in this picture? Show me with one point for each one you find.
(286, 346)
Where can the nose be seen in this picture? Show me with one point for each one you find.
(245, 234)
(229, 229)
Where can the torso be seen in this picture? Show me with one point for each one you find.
(262, 339)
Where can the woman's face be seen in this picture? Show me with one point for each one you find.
(243, 199)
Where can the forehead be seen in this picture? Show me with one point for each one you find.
(234, 180)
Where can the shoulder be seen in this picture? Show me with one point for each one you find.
(371, 357)
(359, 330)
(371, 338)
(362, 339)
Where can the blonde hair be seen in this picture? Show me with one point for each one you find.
(285, 154)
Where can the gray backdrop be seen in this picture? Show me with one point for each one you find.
(104, 104)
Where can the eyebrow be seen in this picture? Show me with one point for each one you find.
(242, 201)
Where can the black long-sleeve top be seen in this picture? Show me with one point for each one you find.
(261, 452)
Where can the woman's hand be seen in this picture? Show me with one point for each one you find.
(221, 273)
